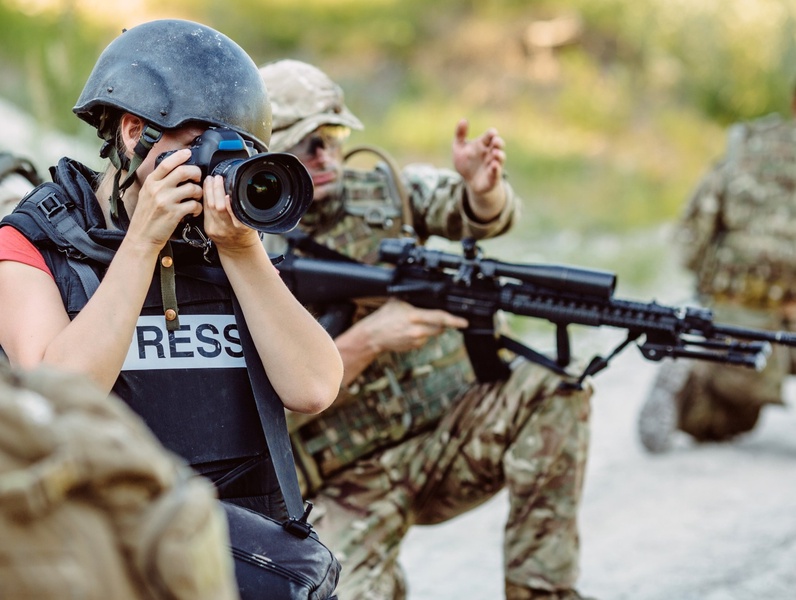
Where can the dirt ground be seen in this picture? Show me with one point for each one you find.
(701, 522)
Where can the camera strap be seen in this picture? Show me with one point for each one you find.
(274, 425)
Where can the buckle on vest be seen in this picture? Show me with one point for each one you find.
(50, 205)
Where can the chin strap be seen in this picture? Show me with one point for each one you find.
(149, 137)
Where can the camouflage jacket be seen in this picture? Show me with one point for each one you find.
(399, 393)
(738, 231)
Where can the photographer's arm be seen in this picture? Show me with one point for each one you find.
(299, 357)
(34, 326)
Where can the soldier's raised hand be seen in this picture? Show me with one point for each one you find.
(480, 163)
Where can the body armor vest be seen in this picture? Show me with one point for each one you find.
(190, 385)
(399, 394)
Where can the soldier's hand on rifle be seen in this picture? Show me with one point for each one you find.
(397, 326)
(480, 163)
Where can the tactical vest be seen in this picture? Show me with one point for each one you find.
(190, 385)
(751, 258)
(399, 394)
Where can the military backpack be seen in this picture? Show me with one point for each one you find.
(93, 507)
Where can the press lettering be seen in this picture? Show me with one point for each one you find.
(174, 340)
(231, 335)
(149, 336)
(214, 345)
(201, 342)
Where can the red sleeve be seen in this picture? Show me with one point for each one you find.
(15, 246)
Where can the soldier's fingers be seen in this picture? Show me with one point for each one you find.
(444, 319)
(497, 142)
(461, 131)
(489, 137)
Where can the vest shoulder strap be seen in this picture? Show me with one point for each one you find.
(57, 220)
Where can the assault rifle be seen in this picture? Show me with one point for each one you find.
(476, 288)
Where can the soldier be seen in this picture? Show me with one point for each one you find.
(412, 438)
(737, 235)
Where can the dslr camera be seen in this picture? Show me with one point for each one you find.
(270, 191)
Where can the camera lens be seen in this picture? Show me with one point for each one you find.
(264, 190)
(270, 191)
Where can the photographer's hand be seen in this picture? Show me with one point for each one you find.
(220, 223)
(168, 195)
(291, 343)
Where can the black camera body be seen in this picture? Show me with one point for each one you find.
(270, 191)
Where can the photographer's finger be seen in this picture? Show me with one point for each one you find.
(171, 162)
(216, 197)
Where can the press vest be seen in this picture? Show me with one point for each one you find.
(190, 385)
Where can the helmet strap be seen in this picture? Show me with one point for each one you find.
(149, 137)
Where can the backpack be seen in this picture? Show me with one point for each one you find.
(92, 506)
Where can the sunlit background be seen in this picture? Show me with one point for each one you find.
(611, 109)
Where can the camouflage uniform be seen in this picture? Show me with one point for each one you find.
(415, 439)
(739, 237)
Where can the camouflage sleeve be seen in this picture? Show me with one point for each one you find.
(440, 207)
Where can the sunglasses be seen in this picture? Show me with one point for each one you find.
(326, 137)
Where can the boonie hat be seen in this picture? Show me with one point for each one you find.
(302, 99)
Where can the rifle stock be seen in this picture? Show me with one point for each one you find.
(476, 288)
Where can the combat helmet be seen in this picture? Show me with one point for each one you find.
(170, 73)
(303, 98)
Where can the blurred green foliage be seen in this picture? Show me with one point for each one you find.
(611, 109)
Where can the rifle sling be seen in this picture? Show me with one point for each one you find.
(532, 355)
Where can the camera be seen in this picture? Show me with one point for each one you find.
(270, 191)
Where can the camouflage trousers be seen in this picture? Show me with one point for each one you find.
(525, 434)
(716, 401)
